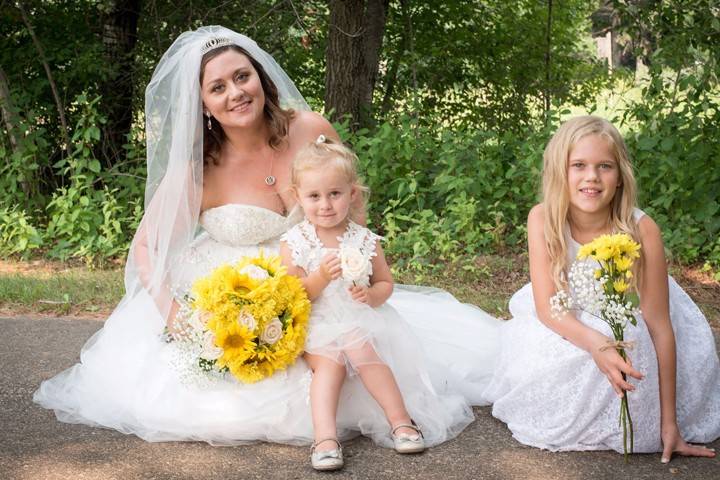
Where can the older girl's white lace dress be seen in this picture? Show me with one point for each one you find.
(126, 378)
(552, 395)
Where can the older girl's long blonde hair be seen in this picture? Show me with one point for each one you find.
(327, 153)
(556, 193)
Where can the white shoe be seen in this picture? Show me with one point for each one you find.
(326, 459)
(408, 443)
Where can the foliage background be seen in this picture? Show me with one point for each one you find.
(466, 97)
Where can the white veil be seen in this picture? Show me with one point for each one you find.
(174, 135)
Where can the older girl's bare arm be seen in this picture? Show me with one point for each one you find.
(656, 313)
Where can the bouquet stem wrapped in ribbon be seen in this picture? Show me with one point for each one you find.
(603, 289)
(248, 319)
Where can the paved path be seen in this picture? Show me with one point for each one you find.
(33, 445)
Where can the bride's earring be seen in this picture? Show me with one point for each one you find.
(209, 124)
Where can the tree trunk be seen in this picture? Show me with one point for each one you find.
(354, 41)
(548, 48)
(119, 39)
(7, 110)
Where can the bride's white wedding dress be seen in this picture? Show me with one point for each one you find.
(126, 379)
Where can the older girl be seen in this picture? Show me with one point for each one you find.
(551, 385)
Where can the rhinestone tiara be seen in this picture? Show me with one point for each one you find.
(216, 42)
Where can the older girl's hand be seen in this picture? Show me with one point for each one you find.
(613, 366)
(674, 443)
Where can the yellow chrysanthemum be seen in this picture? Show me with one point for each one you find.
(623, 263)
(620, 286)
(585, 251)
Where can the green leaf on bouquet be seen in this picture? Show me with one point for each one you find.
(633, 298)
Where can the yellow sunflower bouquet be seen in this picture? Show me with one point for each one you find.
(249, 319)
(603, 287)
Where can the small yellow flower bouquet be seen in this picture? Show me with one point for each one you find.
(248, 319)
(606, 292)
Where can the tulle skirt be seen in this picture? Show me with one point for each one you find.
(441, 352)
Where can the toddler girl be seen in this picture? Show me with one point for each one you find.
(354, 340)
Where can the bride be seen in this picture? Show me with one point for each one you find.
(223, 124)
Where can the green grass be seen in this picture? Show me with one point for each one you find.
(73, 292)
(488, 282)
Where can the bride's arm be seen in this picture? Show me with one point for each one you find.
(162, 231)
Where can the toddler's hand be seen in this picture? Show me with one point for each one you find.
(330, 267)
(613, 366)
(359, 293)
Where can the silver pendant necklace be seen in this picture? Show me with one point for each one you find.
(270, 179)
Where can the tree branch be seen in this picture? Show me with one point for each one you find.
(53, 87)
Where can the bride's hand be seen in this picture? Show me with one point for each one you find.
(613, 366)
(174, 328)
(674, 443)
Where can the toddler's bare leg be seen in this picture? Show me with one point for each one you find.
(380, 382)
(327, 381)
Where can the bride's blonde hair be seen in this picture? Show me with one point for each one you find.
(556, 192)
(327, 153)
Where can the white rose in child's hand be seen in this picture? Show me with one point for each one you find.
(355, 267)
(273, 332)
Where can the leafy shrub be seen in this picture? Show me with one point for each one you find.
(17, 234)
(445, 195)
(87, 219)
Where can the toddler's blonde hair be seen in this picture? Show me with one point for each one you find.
(556, 192)
(327, 153)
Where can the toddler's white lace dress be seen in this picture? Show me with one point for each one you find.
(552, 395)
(126, 379)
(354, 334)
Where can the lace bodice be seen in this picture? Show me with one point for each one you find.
(308, 251)
(237, 225)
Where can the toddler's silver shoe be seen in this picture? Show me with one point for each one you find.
(327, 459)
(406, 442)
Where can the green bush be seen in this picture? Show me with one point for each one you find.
(17, 233)
(446, 195)
(86, 218)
